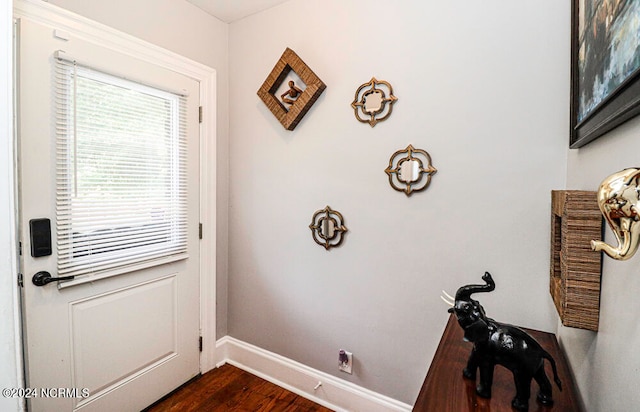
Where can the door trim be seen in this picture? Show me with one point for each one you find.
(11, 371)
(68, 23)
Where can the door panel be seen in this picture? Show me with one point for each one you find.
(100, 357)
(116, 342)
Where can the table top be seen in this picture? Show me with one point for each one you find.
(445, 390)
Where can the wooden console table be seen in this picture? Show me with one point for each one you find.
(445, 390)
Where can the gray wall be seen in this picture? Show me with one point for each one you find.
(607, 364)
(182, 28)
(483, 87)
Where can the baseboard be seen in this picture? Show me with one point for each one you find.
(334, 393)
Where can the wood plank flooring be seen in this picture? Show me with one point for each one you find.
(231, 389)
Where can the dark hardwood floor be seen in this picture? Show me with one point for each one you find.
(231, 389)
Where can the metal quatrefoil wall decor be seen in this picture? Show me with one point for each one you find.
(291, 106)
(327, 228)
(410, 170)
(374, 100)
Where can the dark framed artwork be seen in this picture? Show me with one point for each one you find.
(605, 66)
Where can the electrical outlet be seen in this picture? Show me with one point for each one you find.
(345, 361)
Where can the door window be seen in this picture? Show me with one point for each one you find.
(121, 171)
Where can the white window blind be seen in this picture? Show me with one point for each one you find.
(121, 172)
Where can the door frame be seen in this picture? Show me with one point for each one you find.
(11, 370)
(70, 24)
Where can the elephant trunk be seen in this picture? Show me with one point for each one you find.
(465, 292)
(628, 240)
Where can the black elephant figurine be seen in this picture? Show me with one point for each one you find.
(496, 343)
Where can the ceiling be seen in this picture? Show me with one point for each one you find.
(232, 10)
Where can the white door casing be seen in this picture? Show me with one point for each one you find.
(10, 349)
(144, 304)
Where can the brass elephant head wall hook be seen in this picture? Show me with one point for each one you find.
(619, 202)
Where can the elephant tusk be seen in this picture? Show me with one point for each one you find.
(446, 301)
(451, 298)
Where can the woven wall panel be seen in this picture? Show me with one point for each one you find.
(575, 268)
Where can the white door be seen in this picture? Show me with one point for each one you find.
(123, 213)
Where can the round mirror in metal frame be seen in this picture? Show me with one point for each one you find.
(373, 101)
(327, 228)
(410, 170)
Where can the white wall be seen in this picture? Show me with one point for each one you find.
(182, 28)
(607, 364)
(484, 88)
(10, 355)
